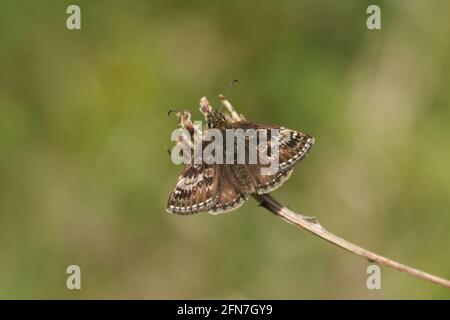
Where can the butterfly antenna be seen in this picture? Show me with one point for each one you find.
(195, 112)
(173, 110)
(226, 92)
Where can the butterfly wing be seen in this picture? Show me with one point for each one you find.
(231, 194)
(267, 183)
(216, 188)
(293, 146)
(196, 189)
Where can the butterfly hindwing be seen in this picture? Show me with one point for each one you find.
(267, 183)
(196, 189)
(231, 194)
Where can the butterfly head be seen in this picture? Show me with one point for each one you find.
(214, 118)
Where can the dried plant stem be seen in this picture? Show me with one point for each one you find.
(313, 226)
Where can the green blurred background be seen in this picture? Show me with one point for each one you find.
(85, 174)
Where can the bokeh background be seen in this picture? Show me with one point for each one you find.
(85, 175)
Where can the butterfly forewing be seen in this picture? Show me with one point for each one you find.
(293, 146)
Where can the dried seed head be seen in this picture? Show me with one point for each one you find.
(205, 108)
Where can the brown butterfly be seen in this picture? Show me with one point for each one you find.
(218, 188)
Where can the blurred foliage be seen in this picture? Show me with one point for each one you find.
(84, 129)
